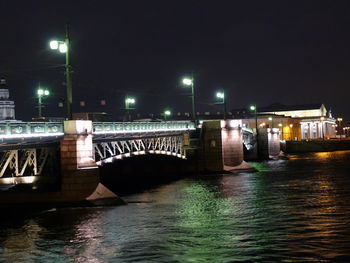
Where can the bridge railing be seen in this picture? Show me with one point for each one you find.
(18, 129)
(13, 129)
(135, 127)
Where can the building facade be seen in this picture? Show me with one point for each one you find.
(315, 121)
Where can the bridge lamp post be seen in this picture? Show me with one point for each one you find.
(41, 93)
(221, 95)
(167, 114)
(128, 102)
(64, 47)
(253, 108)
(190, 83)
(340, 126)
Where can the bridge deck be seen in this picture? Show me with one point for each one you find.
(17, 134)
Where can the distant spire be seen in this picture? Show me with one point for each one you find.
(330, 113)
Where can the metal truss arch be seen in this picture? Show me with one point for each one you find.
(105, 152)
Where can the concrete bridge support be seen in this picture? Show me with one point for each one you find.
(268, 143)
(221, 146)
(79, 172)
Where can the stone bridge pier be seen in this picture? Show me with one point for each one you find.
(221, 146)
(268, 143)
(80, 180)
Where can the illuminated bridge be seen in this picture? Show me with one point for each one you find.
(61, 158)
(25, 147)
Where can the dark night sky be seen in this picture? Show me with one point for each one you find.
(292, 52)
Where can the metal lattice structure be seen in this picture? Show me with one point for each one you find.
(108, 151)
(23, 162)
(249, 140)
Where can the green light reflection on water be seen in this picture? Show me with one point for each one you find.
(207, 226)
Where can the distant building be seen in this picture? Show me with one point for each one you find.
(315, 123)
(289, 127)
(7, 107)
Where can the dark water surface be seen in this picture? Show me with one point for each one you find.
(295, 210)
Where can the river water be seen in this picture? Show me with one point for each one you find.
(295, 210)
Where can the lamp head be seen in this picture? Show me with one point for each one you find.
(130, 100)
(63, 48)
(220, 95)
(54, 44)
(187, 81)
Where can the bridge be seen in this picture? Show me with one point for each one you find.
(68, 153)
(26, 146)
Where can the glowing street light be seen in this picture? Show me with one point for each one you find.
(187, 81)
(340, 126)
(64, 48)
(128, 102)
(54, 44)
(254, 109)
(271, 119)
(41, 93)
(280, 125)
(190, 82)
(167, 114)
(221, 95)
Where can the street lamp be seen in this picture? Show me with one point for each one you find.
(190, 82)
(129, 101)
(41, 93)
(340, 126)
(221, 95)
(64, 47)
(253, 108)
(280, 125)
(167, 114)
(291, 131)
(271, 119)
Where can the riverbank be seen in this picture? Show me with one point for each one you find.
(315, 146)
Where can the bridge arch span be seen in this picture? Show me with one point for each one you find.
(108, 151)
